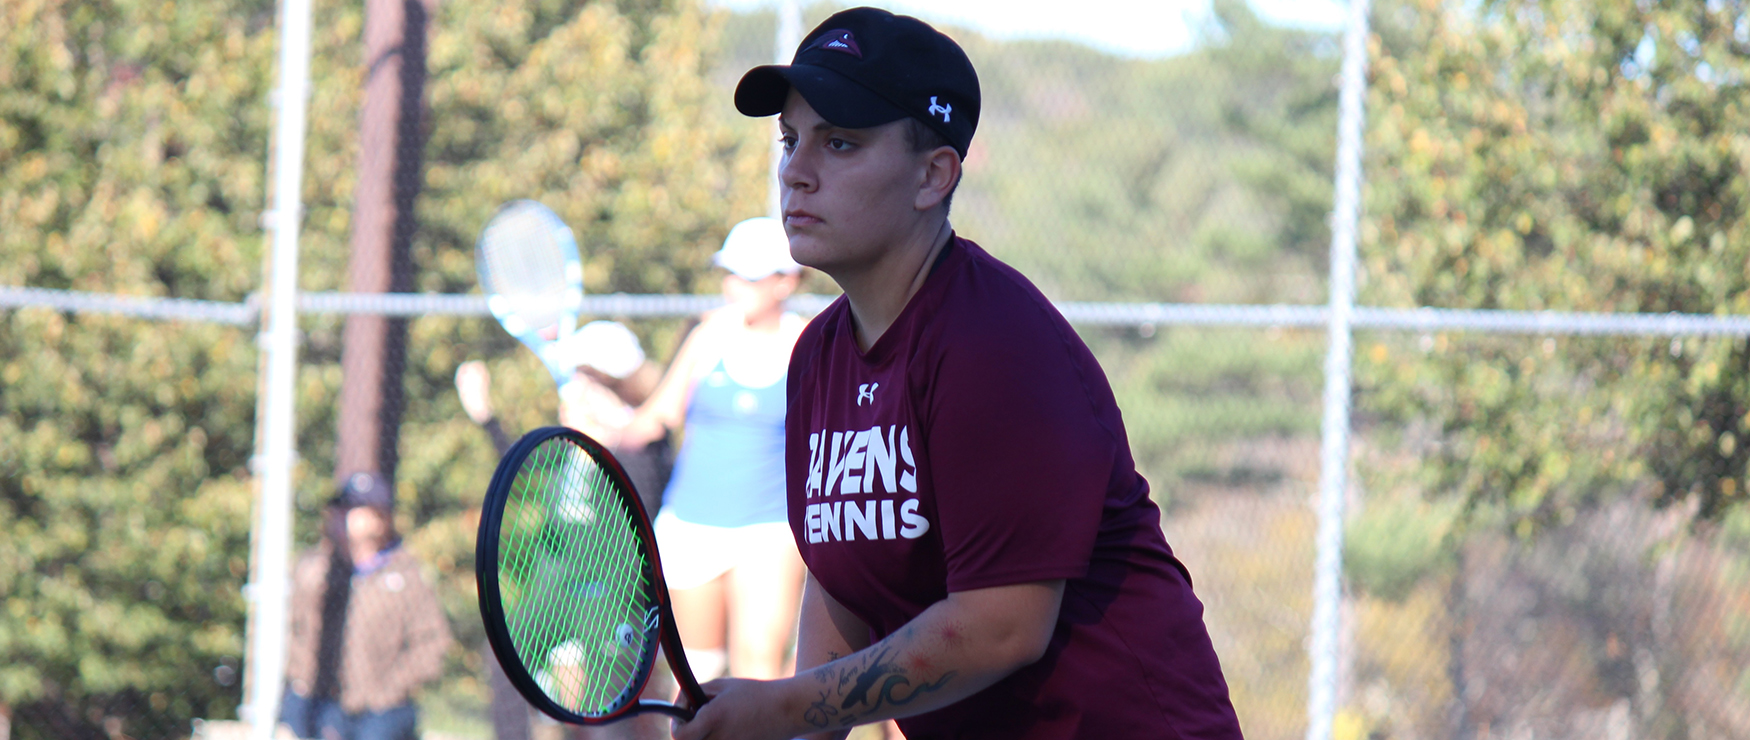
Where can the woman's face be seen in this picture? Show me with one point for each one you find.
(758, 297)
(367, 529)
(849, 194)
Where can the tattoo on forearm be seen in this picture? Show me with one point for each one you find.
(873, 672)
(824, 676)
(821, 712)
(862, 690)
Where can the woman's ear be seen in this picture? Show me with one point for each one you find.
(941, 173)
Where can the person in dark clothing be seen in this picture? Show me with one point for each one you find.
(367, 631)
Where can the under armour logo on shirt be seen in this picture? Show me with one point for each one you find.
(942, 109)
(866, 392)
(838, 39)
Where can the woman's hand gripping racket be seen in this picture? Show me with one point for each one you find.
(570, 586)
(533, 278)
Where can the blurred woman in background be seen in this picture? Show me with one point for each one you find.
(733, 573)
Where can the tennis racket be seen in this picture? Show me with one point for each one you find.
(533, 278)
(571, 589)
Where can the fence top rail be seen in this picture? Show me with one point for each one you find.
(1552, 322)
(247, 312)
(144, 307)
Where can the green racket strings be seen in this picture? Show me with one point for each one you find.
(573, 581)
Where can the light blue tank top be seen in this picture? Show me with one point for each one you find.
(730, 470)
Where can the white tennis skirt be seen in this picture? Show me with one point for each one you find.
(695, 554)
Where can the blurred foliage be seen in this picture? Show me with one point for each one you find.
(133, 138)
(1620, 619)
(1399, 684)
(1562, 155)
(1395, 544)
(1249, 552)
(131, 144)
(1190, 396)
(1574, 156)
(1203, 178)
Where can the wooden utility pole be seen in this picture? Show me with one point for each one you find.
(373, 357)
(391, 144)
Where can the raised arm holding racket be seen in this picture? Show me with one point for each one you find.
(533, 279)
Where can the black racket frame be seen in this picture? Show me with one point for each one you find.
(492, 606)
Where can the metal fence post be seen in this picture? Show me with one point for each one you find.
(269, 590)
(1334, 442)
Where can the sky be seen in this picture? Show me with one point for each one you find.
(1143, 28)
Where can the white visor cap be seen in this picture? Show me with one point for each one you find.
(755, 249)
(607, 346)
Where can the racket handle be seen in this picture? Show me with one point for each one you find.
(684, 714)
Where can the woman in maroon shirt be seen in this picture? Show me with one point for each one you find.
(984, 560)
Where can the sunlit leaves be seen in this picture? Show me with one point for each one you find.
(1537, 155)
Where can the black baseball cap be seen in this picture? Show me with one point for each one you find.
(365, 489)
(864, 67)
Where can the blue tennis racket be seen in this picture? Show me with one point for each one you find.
(533, 278)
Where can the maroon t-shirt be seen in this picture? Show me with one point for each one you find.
(977, 444)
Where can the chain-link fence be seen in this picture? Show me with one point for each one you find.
(1546, 530)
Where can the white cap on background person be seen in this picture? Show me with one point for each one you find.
(755, 249)
(607, 346)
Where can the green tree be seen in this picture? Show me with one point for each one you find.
(1580, 156)
(131, 144)
(1564, 156)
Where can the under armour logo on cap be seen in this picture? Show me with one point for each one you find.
(944, 110)
(839, 39)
